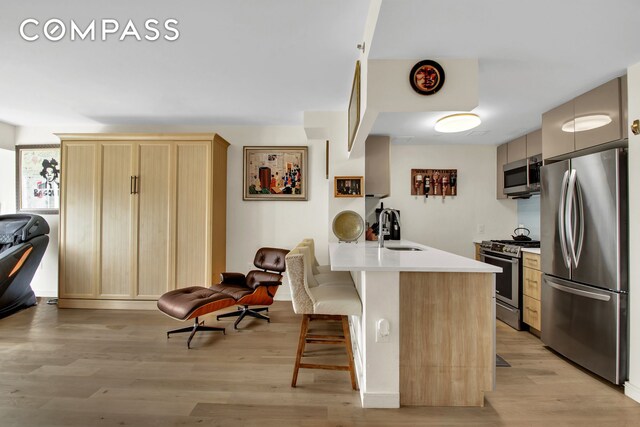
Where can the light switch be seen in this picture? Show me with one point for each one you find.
(383, 330)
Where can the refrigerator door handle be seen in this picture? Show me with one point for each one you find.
(580, 211)
(578, 292)
(561, 221)
(568, 217)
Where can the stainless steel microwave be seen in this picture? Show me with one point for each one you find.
(522, 178)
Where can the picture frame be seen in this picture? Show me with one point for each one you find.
(427, 77)
(354, 108)
(38, 178)
(348, 186)
(275, 173)
(434, 182)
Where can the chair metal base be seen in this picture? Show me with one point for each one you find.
(242, 312)
(197, 326)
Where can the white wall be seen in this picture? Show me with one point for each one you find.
(7, 136)
(250, 225)
(334, 125)
(632, 388)
(529, 215)
(452, 223)
(7, 169)
(7, 181)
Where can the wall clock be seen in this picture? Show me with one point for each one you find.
(426, 77)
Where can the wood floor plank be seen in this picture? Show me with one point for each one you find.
(113, 368)
(266, 412)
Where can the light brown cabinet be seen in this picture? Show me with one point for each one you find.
(531, 288)
(555, 141)
(534, 143)
(608, 99)
(500, 162)
(517, 149)
(137, 217)
(377, 178)
(605, 100)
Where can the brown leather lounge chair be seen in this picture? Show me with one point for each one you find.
(258, 287)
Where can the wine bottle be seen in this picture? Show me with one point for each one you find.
(427, 188)
(453, 180)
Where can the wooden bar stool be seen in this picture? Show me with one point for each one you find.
(328, 303)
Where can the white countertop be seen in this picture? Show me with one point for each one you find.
(531, 250)
(366, 256)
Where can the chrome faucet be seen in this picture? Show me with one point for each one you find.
(381, 232)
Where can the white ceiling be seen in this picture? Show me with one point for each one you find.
(244, 62)
(532, 55)
(256, 62)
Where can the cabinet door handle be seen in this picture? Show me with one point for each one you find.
(135, 185)
(131, 186)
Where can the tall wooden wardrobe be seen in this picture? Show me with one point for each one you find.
(140, 214)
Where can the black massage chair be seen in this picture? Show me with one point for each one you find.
(23, 240)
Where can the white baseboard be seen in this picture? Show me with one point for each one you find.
(380, 400)
(632, 391)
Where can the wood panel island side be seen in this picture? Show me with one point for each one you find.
(426, 336)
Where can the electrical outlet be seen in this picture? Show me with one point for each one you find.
(481, 228)
(383, 330)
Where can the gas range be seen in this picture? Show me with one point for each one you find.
(506, 254)
(510, 248)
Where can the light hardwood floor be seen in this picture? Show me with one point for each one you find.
(116, 368)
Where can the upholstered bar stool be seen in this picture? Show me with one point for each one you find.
(315, 265)
(332, 303)
(321, 274)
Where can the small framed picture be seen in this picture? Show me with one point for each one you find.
(348, 186)
(38, 178)
(275, 173)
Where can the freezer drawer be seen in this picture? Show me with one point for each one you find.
(587, 325)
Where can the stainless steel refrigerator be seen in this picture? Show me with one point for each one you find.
(584, 249)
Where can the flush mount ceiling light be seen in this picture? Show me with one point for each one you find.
(457, 123)
(592, 121)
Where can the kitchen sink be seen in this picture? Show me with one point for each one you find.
(403, 248)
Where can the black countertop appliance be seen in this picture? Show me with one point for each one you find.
(389, 222)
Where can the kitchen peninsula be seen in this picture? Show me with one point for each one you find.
(426, 336)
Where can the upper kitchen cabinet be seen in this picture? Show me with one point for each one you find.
(601, 101)
(500, 162)
(377, 180)
(570, 127)
(534, 143)
(517, 149)
(555, 141)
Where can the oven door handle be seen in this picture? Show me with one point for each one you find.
(512, 261)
